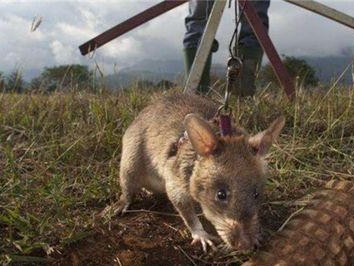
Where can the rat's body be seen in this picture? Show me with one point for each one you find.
(224, 175)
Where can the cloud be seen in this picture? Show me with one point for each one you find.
(19, 46)
(74, 33)
(124, 48)
(301, 32)
(64, 54)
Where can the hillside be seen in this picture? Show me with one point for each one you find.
(327, 69)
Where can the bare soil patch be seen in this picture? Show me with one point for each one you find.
(154, 235)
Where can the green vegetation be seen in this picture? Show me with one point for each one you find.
(14, 82)
(65, 77)
(58, 78)
(59, 157)
(298, 69)
(2, 81)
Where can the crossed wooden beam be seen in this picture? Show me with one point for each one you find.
(210, 31)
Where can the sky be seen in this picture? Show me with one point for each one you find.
(67, 24)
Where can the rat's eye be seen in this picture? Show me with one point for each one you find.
(255, 194)
(221, 195)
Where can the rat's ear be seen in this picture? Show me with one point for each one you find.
(264, 140)
(200, 134)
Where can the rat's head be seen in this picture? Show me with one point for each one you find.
(228, 179)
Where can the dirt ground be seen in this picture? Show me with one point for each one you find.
(154, 235)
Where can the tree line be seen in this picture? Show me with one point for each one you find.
(79, 77)
(64, 77)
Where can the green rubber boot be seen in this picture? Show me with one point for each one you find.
(189, 55)
(251, 62)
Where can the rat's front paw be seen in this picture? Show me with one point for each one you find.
(119, 207)
(204, 238)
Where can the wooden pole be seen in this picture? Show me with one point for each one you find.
(259, 30)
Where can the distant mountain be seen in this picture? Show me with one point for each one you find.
(127, 78)
(154, 70)
(151, 70)
(31, 73)
(327, 70)
(156, 66)
(331, 67)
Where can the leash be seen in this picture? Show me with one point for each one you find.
(234, 67)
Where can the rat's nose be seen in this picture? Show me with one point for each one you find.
(243, 240)
(244, 244)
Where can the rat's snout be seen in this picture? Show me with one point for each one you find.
(243, 236)
(240, 238)
(244, 240)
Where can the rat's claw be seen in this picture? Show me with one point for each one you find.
(204, 238)
(119, 207)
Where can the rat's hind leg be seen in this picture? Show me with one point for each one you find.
(132, 172)
(130, 184)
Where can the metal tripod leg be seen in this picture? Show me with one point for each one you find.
(261, 34)
(204, 48)
(325, 11)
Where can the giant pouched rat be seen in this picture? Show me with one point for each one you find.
(224, 174)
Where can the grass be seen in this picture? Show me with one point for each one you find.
(59, 157)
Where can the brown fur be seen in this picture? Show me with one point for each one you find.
(199, 169)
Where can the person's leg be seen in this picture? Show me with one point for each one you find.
(195, 22)
(250, 50)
